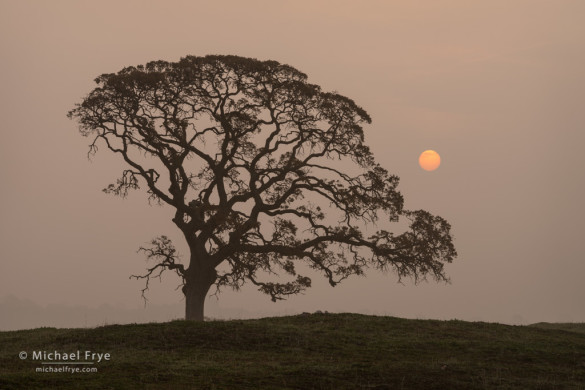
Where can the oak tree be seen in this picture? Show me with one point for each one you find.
(263, 171)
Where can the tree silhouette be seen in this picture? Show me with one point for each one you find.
(264, 172)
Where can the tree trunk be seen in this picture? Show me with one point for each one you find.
(195, 289)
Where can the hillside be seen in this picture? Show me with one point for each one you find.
(316, 351)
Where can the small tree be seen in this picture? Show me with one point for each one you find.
(263, 170)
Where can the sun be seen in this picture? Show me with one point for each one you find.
(429, 160)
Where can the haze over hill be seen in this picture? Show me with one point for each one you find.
(24, 314)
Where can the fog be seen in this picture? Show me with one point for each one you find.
(497, 88)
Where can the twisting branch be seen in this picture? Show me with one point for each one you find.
(165, 254)
(128, 181)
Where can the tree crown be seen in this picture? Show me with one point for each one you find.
(263, 169)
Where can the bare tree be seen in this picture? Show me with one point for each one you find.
(263, 170)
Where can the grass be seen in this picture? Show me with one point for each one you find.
(578, 327)
(317, 351)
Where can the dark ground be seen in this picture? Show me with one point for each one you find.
(316, 351)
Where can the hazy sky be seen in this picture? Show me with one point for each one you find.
(496, 87)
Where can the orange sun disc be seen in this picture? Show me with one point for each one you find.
(429, 160)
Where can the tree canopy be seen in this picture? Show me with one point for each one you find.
(264, 171)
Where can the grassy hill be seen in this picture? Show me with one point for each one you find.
(569, 326)
(316, 351)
